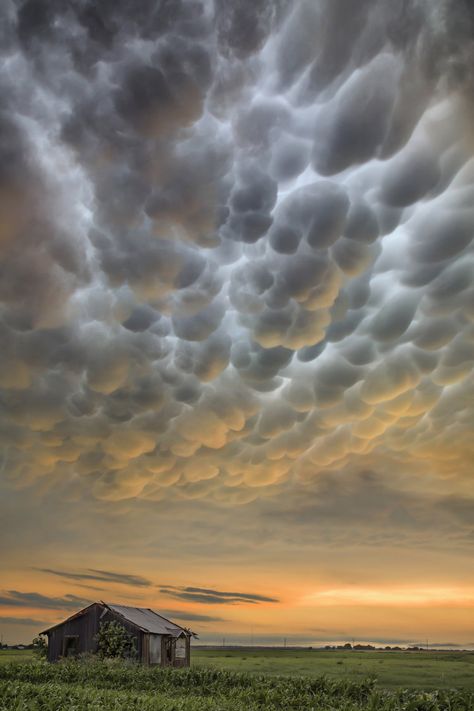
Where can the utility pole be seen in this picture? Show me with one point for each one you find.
(284, 642)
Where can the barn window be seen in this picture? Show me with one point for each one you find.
(155, 649)
(180, 652)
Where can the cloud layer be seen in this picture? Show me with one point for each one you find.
(236, 243)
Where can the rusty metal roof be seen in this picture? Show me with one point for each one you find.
(147, 619)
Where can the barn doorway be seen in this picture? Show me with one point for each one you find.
(71, 646)
(169, 651)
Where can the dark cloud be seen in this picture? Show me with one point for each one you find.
(21, 621)
(354, 129)
(213, 597)
(362, 506)
(104, 576)
(14, 598)
(412, 174)
(184, 616)
(242, 28)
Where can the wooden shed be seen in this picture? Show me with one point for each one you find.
(157, 639)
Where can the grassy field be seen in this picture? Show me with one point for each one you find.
(16, 656)
(91, 685)
(418, 670)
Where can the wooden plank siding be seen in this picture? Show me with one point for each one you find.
(80, 630)
(85, 626)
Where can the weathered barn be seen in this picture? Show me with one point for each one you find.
(157, 640)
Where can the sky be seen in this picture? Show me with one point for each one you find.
(236, 316)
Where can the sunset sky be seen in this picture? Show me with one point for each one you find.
(237, 316)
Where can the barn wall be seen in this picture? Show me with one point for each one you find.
(86, 627)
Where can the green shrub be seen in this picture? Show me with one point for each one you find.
(40, 647)
(114, 642)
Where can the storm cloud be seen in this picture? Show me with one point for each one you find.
(236, 262)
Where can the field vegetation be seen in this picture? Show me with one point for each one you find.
(418, 670)
(91, 684)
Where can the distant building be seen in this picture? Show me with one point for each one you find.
(157, 639)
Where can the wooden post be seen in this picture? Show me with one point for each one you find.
(146, 649)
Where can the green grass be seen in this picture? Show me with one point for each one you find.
(417, 670)
(92, 685)
(16, 655)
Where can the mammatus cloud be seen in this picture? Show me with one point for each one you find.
(14, 598)
(236, 244)
(213, 597)
(104, 576)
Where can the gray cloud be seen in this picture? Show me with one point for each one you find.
(191, 616)
(14, 598)
(104, 576)
(21, 621)
(209, 596)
